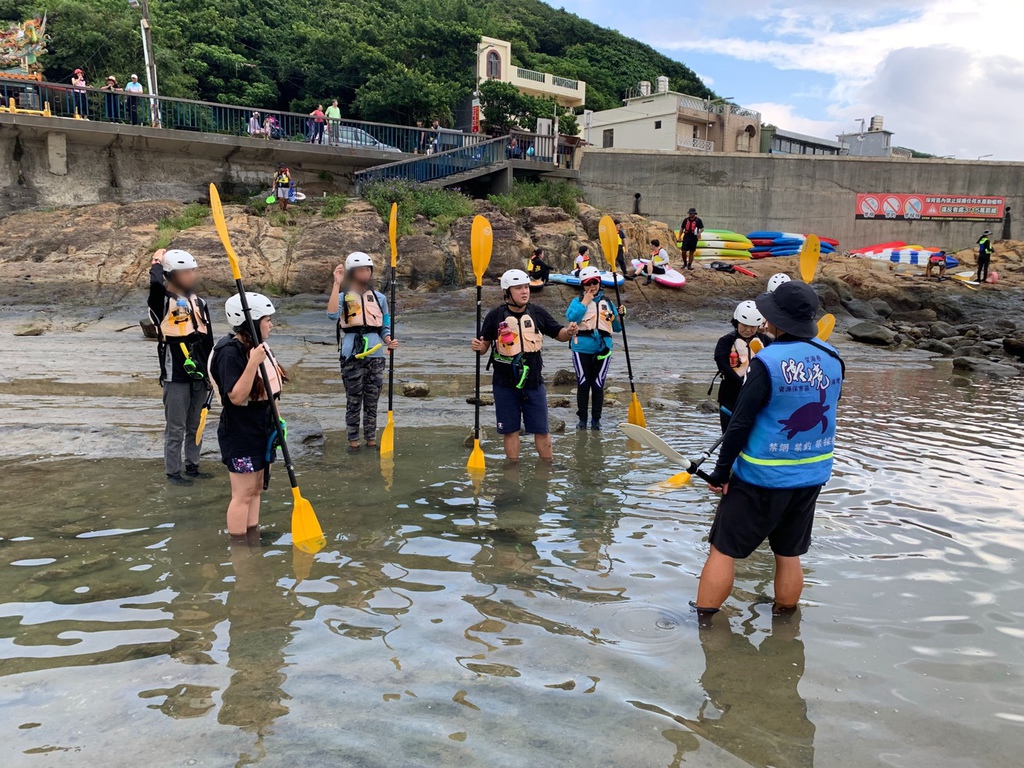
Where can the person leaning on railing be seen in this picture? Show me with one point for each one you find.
(333, 114)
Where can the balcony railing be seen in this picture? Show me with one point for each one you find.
(530, 74)
(547, 79)
(701, 144)
(119, 107)
(564, 82)
(439, 165)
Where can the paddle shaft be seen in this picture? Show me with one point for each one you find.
(391, 353)
(479, 322)
(255, 334)
(622, 325)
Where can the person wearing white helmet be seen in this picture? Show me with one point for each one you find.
(246, 429)
(732, 356)
(185, 340)
(598, 319)
(776, 280)
(363, 333)
(516, 330)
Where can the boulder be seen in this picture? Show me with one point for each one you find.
(961, 330)
(1014, 346)
(660, 404)
(940, 330)
(471, 438)
(544, 215)
(936, 346)
(32, 328)
(984, 366)
(563, 378)
(484, 399)
(828, 297)
(1007, 326)
(871, 333)
(862, 310)
(555, 427)
(614, 390)
(926, 315)
(416, 389)
(558, 401)
(707, 406)
(881, 306)
(423, 264)
(991, 334)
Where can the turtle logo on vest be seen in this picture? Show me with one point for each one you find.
(807, 417)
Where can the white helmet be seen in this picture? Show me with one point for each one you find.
(589, 273)
(748, 314)
(357, 259)
(176, 258)
(514, 277)
(259, 306)
(776, 280)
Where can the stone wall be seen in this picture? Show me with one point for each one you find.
(794, 194)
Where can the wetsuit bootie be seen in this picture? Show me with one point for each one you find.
(177, 479)
(596, 425)
(192, 470)
(581, 425)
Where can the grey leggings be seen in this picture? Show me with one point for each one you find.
(183, 404)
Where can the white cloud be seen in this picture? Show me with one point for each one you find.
(785, 116)
(947, 75)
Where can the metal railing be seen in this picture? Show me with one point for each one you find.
(119, 107)
(439, 165)
(702, 144)
(564, 82)
(530, 74)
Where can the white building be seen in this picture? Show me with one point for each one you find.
(874, 142)
(494, 62)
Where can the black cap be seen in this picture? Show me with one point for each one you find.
(692, 210)
(791, 308)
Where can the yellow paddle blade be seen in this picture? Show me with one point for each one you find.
(393, 234)
(609, 240)
(809, 255)
(387, 470)
(307, 534)
(676, 481)
(476, 459)
(755, 346)
(481, 241)
(826, 325)
(387, 438)
(222, 229)
(302, 564)
(636, 413)
(202, 424)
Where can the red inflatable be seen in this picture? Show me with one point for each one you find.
(879, 247)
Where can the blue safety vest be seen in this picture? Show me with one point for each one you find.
(791, 443)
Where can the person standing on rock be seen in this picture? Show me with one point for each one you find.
(185, 340)
(985, 249)
(620, 256)
(363, 333)
(689, 234)
(732, 356)
(246, 430)
(516, 330)
(597, 319)
(777, 451)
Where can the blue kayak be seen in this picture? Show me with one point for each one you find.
(606, 279)
(763, 235)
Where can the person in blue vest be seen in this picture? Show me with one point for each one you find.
(597, 319)
(984, 255)
(777, 451)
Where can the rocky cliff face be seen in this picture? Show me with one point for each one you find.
(99, 253)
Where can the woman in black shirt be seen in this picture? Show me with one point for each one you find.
(732, 355)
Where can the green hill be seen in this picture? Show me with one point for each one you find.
(386, 60)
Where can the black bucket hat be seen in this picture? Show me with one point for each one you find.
(692, 210)
(791, 309)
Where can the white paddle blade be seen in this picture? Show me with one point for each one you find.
(652, 441)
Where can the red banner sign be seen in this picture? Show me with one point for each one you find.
(897, 207)
(476, 118)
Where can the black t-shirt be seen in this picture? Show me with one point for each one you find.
(729, 389)
(689, 229)
(243, 429)
(544, 322)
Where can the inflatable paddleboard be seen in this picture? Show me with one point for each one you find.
(908, 256)
(725, 234)
(671, 278)
(606, 279)
(878, 247)
(733, 245)
(728, 253)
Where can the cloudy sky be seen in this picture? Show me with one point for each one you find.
(947, 75)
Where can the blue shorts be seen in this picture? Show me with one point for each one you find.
(518, 408)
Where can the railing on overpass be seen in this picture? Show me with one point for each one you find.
(439, 165)
(105, 106)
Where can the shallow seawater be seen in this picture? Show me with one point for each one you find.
(540, 620)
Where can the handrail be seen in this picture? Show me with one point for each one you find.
(96, 104)
(438, 165)
(531, 74)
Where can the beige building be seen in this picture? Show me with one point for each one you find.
(670, 121)
(494, 62)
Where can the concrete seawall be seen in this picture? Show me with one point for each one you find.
(795, 193)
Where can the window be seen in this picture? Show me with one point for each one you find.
(608, 138)
(696, 132)
(493, 65)
(657, 125)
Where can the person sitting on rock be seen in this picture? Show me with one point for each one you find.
(537, 268)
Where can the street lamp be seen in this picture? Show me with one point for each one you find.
(982, 157)
(149, 59)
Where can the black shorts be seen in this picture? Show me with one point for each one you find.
(689, 242)
(749, 514)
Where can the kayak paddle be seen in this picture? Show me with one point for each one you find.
(610, 245)
(202, 416)
(651, 440)
(826, 325)
(307, 534)
(387, 439)
(480, 243)
(809, 255)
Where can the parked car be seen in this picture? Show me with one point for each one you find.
(357, 137)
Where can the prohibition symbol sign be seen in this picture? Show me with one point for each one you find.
(891, 207)
(869, 207)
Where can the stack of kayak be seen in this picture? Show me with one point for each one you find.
(769, 243)
(723, 244)
(898, 252)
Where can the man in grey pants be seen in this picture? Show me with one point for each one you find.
(185, 333)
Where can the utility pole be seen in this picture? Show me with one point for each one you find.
(150, 60)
